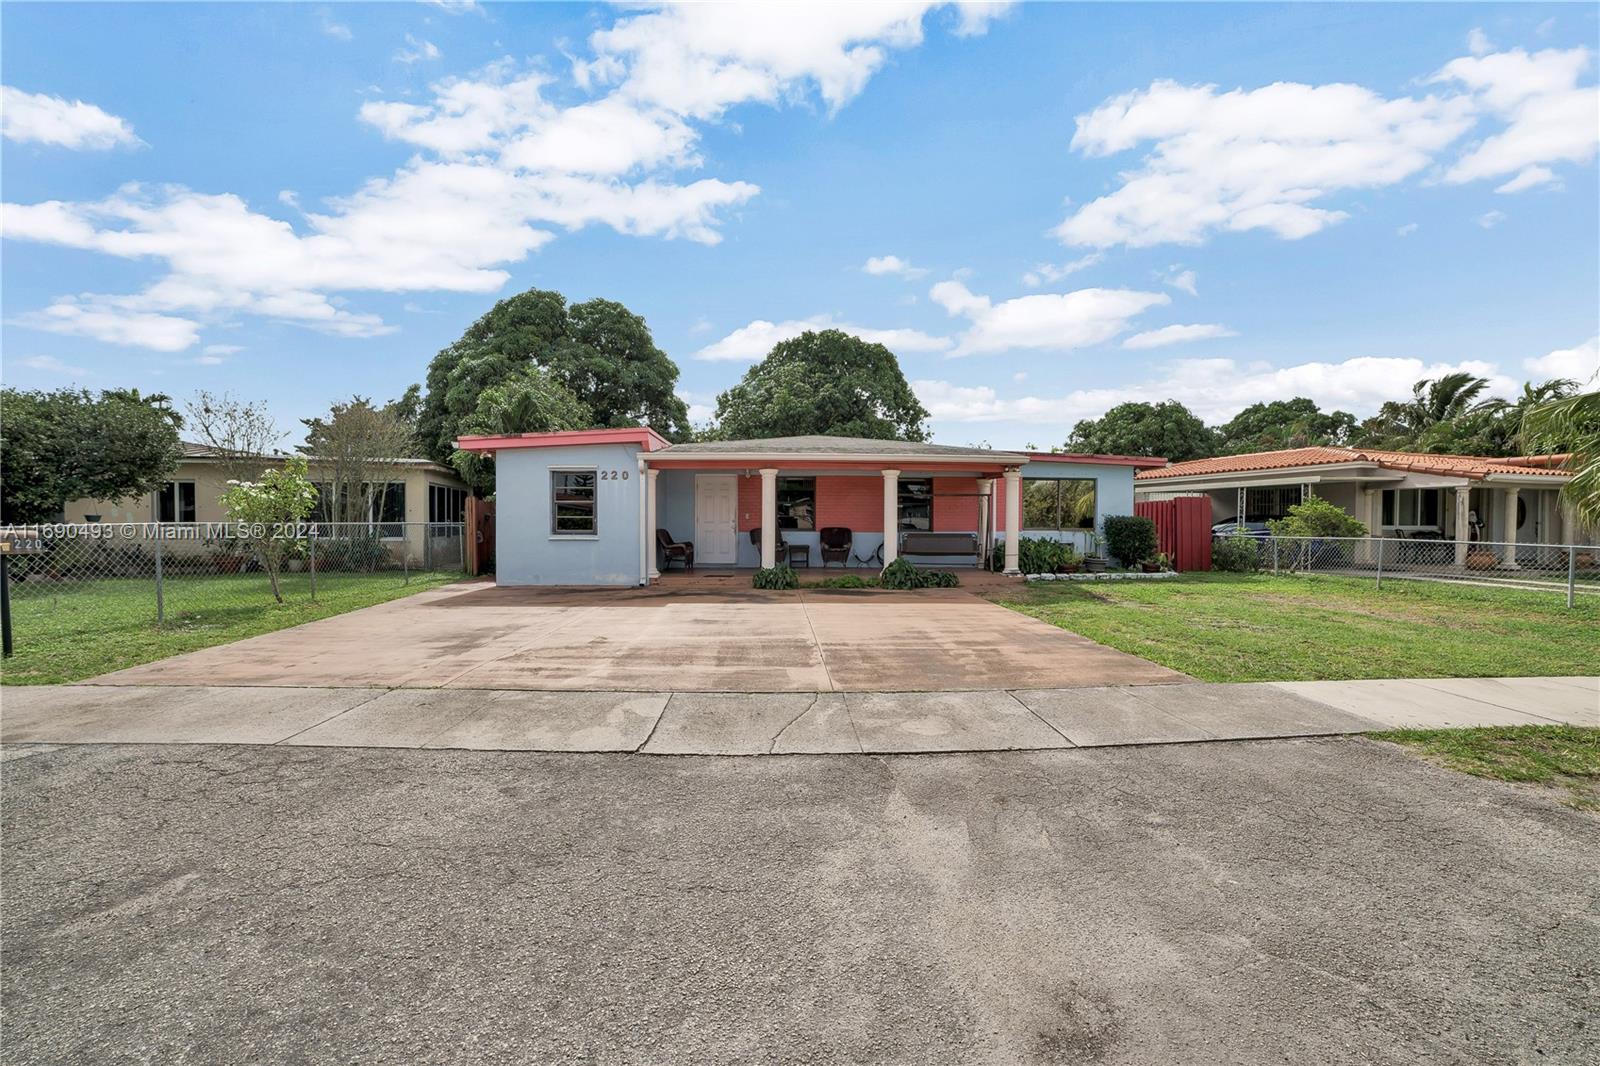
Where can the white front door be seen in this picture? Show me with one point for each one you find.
(716, 519)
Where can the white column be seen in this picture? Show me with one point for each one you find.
(1374, 514)
(769, 517)
(1509, 524)
(891, 516)
(1013, 518)
(985, 488)
(650, 510)
(1463, 509)
(647, 536)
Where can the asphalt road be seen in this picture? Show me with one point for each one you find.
(1295, 901)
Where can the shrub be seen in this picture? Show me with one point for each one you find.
(1236, 553)
(1130, 538)
(1317, 517)
(776, 577)
(941, 579)
(900, 575)
(847, 581)
(1036, 555)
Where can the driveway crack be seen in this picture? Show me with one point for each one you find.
(779, 734)
(822, 653)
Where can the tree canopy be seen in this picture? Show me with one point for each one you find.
(598, 352)
(70, 444)
(1166, 429)
(530, 401)
(1296, 423)
(823, 382)
(355, 442)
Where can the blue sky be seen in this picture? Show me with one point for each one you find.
(1043, 209)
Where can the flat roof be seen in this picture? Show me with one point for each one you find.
(836, 448)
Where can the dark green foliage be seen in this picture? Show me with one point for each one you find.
(845, 581)
(1167, 429)
(1037, 555)
(825, 382)
(1296, 423)
(1236, 553)
(1130, 539)
(69, 444)
(900, 574)
(776, 577)
(1317, 517)
(942, 579)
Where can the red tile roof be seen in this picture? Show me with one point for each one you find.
(1470, 466)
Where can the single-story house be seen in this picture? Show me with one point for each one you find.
(1395, 494)
(412, 492)
(585, 507)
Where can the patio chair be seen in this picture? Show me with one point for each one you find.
(782, 550)
(836, 543)
(671, 549)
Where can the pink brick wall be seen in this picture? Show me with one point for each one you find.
(857, 503)
(749, 503)
(853, 502)
(955, 514)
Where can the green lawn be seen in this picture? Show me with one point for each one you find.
(1557, 756)
(1235, 627)
(72, 631)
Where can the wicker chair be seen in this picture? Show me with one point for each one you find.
(683, 551)
(836, 543)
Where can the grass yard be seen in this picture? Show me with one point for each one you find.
(1235, 627)
(72, 631)
(1556, 756)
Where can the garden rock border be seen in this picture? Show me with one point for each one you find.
(1102, 576)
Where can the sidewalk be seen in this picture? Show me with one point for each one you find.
(779, 723)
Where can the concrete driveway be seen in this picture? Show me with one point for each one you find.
(475, 635)
(1324, 902)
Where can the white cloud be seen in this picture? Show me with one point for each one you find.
(1548, 117)
(1160, 338)
(45, 119)
(501, 167)
(337, 30)
(1478, 42)
(416, 50)
(455, 7)
(1250, 159)
(101, 321)
(1214, 389)
(1580, 364)
(754, 341)
(1049, 273)
(222, 349)
(880, 265)
(1050, 321)
(1490, 219)
(49, 364)
(1184, 281)
(1407, 230)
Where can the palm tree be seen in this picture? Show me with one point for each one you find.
(1570, 424)
(1445, 399)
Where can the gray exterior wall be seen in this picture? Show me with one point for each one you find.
(527, 553)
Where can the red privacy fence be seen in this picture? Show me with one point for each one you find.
(1183, 529)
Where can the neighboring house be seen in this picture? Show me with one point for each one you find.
(1395, 494)
(412, 492)
(583, 507)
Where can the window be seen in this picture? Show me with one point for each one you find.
(1058, 503)
(1267, 504)
(797, 503)
(175, 502)
(446, 504)
(916, 503)
(388, 507)
(572, 503)
(1411, 508)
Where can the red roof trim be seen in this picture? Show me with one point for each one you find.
(1141, 462)
(1473, 467)
(646, 438)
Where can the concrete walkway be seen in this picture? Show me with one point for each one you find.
(778, 723)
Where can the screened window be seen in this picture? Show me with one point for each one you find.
(1058, 503)
(1272, 502)
(388, 507)
(572, 503)
(1411, 508)
(797, 503)
(175, 502)
(446, 504)
(916, 503)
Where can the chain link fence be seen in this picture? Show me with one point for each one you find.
(169, 572)
(1572, 569)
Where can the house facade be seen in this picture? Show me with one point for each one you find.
(411, 492)
(1408, 495)
(584, 507)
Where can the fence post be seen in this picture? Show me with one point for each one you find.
(311, 566)
(405, 562)
(1274, 556)
(1380, 562)
(427, 548)
(161, 606)
(1572, 569)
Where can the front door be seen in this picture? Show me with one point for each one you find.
(716, 514)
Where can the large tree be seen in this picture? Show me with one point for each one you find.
(1402, 424)
(69, 445)
(598, 351)
(825, 382)
(531, 401)
(1296, 423)
(1167, 429)
(356, 445)
(240, 433)
(1571, 426)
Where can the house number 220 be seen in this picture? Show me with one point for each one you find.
(613, 475)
